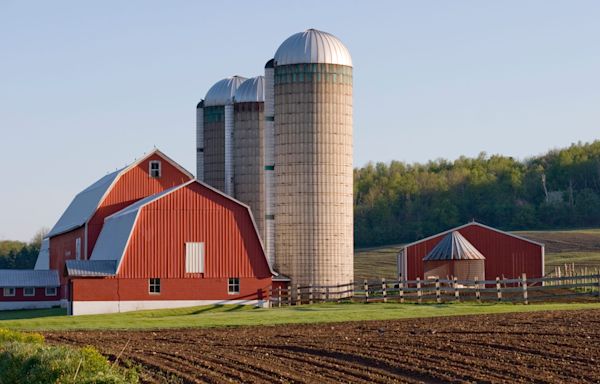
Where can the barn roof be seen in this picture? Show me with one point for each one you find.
(91, 268)
(84, 205)
(28, 278)
(43, 259)
(454, 247)
(118, 227)
(469, 224)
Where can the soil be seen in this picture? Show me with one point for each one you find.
(538, 347)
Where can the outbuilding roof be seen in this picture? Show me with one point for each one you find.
(91, 268)
(312, 46)
(454, 247)
(84, 205)
(469, 224)
(28, 278)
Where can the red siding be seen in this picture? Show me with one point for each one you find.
(105, 289)
(134, 185)
(194, 213)
(62, 248)
(505, 255)
(40, 295)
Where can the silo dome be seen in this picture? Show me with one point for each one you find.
(223, 91)
(251, 90)
(313, 46)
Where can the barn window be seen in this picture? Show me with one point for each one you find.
(194, 257)
(233, 285)
(154, 286)
(28, 291)
(9, 291)
(50, 291)
(154, 168)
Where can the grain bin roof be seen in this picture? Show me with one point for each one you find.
(312, 46)
(222, 92)
(454, 247)
(251, 90)
(28, 278)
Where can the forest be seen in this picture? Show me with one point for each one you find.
(398, 202)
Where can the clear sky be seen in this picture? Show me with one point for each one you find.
(86, 87)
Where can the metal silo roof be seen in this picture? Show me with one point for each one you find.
(313, 46)
(454, 247)
(251, 90)
(222, 92)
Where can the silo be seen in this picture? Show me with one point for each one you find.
(313, 159)
(248, 147)
(217, 134)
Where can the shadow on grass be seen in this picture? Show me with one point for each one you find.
(31, 313)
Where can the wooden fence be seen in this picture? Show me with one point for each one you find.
(522, 289)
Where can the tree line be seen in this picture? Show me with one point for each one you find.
(20, 254)
(400, 202)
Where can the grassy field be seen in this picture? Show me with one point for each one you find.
(581, 246)
(219, 316)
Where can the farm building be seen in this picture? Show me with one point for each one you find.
(75, 234)
(188, 245)
(472, 251)
(28, 289)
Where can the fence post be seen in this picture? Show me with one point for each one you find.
(298, 295)
(384, 289)
(477, 292)
(366, 286)
(524, 284)
(270, 296)
(419, 292)
(401, 288)
(326, 294)
(279, 296)
(455, 287)
(289, 295)
(438, 298)
(498, 289)
(310, 294)
(598, 276)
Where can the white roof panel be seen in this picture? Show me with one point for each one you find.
(312, 46)
(43, 259)
(83, 205)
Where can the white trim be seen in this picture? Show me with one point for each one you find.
(99, 307)
(543, 260)
(55, 291)
(14, 305)
(26, 295)
(14, 292)
(159, 169)
(466, 225)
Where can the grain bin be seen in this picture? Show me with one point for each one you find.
(454, 256)
(215, 152)
(248, 153)
(311, 82)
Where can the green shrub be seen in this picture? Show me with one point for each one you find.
(25, 358)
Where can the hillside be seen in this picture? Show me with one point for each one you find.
(398, 202)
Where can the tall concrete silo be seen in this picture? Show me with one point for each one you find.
(248, 136)
(311, 94)
(215, 150)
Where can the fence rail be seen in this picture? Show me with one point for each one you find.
(501, 289)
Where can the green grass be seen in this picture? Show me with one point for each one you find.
(579, 258)
(219, 316)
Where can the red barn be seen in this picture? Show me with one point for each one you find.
(185, 246)
(75, 234)
(505, 254)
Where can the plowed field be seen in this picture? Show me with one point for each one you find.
(541, 347)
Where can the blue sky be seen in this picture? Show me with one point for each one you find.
(88, 87)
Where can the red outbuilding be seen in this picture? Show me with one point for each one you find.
(75, 234)
(501, 253)
(185, 246)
